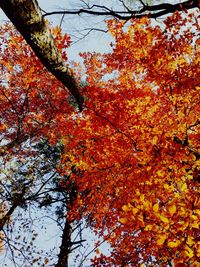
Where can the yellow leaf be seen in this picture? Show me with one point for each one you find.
(134, 210)
(196, 211)
(188, 252)
(129, 205)
(183, 187)
(195, 224)
(142, 197)
(180, 114)
(154, 140)
(166, 186)
(140, 218)
(148, 227)
(182, 127)
(1, 242)
(172, 210)
(147, 204)
(164, 219)
(125, 208)
(194, 217)
(182, 211)
(160, 173)
(192, 157)
(161, 239)
(173, 244)
(137, 192)
(123, 220)
(166, 227)
(183, 226)
(197, 246)
(190, 241)
(155, 207)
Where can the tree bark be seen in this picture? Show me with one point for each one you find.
(27, 18)
(65, 248)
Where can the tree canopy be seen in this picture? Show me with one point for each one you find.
(28, 19)
(131, 157)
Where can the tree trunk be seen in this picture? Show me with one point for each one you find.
(65, 248)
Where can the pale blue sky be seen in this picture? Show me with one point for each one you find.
(74, 24)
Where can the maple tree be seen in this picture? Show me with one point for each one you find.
(133, 153)
(136, 145)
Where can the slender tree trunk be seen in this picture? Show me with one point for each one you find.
(65, 248)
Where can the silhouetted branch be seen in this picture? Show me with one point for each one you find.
(152, 11)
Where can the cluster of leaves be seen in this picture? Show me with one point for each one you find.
(132, 154)
(136, 144)
(29, 95)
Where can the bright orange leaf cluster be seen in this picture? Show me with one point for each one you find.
(134, 150)
(30, 97)
(136, 145)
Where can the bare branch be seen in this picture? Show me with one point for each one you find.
(88, 32)
(125, 6)
(152, 11)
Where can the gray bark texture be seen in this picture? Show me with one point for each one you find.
(28, 20)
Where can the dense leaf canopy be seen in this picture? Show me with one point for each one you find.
(133, 151)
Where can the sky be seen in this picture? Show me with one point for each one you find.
(76, 26)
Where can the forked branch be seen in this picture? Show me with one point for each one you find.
(152, 11)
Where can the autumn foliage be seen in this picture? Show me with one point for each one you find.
(134, 150)
(27, 101)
